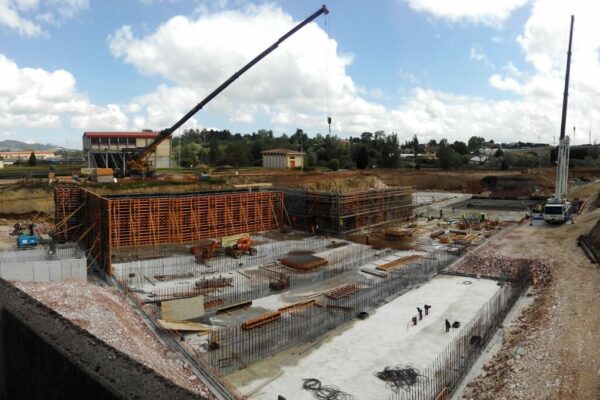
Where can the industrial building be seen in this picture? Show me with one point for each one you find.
(282, 158)
(24, 155)
(115, 149)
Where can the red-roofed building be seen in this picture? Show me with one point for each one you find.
(115, 149)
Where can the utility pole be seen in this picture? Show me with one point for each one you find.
(302, 151)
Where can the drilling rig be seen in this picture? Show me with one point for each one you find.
(140, 166)
(557, 209)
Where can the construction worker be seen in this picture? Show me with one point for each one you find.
(426, 307)
(420, 311)
(447, 326)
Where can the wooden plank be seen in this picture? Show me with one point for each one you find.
(185, 326)
(235, 306)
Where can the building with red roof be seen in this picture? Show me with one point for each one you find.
(115, 149)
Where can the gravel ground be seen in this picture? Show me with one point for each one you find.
(552, 351)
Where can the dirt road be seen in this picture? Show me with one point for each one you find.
(553, 351)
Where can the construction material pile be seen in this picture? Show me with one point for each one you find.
(400, 377)
(489, 267)
(503, 268)
(325, 392)
(304, 263)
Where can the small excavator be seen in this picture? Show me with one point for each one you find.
(140, 166)
(234, 246)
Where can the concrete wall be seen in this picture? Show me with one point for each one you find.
(39, 266)
(44, 356)
(45, 271)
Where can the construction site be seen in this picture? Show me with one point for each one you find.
(260, 291)
(294, 285)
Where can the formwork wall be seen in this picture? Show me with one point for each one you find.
(174, 220)
(344, 212)
(66, 202)
(107, 223)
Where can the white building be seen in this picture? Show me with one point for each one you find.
(115, 149)
(282, 158)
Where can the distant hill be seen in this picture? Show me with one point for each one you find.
(16, 145)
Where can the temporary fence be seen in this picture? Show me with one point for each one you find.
(442, 377)
(234, 347)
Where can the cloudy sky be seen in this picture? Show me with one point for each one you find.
(435, 68)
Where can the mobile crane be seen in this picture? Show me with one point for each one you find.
(139, 164)
(557, 209)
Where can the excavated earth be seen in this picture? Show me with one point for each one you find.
(552, 350)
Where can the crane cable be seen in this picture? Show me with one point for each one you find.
(327, 74)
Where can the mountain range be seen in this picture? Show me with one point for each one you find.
(16, 145)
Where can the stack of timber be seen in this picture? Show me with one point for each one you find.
(261, 320)
(347, 289)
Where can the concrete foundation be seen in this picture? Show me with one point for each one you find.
(39, 265)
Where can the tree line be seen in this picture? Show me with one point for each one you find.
(369, 150)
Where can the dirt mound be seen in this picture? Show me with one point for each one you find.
(346, 184)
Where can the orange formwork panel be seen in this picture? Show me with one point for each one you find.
(189, 219)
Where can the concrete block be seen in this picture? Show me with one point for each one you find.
(41, 271)
(55, 271)
(182, 309)
(16, 272)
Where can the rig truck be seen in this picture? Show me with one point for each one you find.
(557, 209)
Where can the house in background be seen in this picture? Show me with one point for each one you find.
(115, 149)
(282, 158)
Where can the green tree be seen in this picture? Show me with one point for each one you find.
(215, 154)
(445, 154)
(237, 154)
(460, 147)
(334, 164)
(32, 159)
(499, 153)
(362, 157)
(189, 154)
(475, 143)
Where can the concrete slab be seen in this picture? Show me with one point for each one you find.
(350, 356)
(182, 309)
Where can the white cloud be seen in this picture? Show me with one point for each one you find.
(497, 39)
(476, 53)
(19, 15)
(36, 98)
(408, 77)
(288, 88)
(291, 81)
(488, 12)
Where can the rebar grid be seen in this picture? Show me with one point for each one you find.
(238, 348)
(444, 374)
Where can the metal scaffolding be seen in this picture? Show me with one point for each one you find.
(345, 212)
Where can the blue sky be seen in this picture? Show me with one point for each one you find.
(406, 66)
